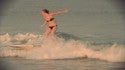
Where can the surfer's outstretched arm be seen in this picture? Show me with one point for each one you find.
(60, 12)
(44, 23)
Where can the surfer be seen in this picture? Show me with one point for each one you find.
(49, 18)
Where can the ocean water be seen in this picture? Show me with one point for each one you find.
(89, 37)
(64, 53)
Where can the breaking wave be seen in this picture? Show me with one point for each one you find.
(64, 46)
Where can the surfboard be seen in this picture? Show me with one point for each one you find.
(22, 46)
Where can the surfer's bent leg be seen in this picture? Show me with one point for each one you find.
(46, 34)
(53, 31)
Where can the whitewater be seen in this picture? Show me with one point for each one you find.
(60, 48)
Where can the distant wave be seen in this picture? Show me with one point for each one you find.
(67, 36)
(65, 46)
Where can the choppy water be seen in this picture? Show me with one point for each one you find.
(65, 64)
(89, 37)
(63, 53)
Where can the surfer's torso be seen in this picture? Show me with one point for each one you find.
(50, 19)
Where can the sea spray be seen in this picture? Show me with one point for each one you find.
(60, 48)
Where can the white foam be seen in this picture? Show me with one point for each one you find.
(59, 48)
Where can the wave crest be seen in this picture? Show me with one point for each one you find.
(65, 46)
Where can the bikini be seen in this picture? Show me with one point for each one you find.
(50, 19)
(51, 27)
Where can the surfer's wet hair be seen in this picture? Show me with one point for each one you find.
(46, 11)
